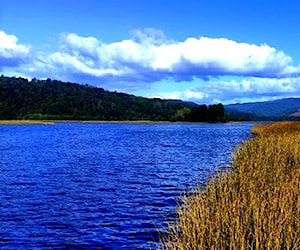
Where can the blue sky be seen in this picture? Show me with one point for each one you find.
(203, 51)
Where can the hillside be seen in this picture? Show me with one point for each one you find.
(55, 100)
(270, 109)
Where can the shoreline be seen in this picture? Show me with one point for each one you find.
(229, 212)
(52, 122)
(25, 122)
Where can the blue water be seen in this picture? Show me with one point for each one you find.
(105, 185)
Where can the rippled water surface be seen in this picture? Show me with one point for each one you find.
(105, 185)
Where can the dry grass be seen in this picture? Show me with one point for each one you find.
(255, 206)
(285, 127)
(23, 122)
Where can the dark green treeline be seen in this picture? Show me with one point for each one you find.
(21, 99)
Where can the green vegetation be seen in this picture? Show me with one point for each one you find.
(242, 116)
(212, 113)
(254, 206)
(21, 99)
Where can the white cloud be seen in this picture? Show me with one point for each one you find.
(11, 53)
(150, 57)
(150, 36)
(145, 59)
(243, 90)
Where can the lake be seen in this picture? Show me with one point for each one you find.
(103, 185)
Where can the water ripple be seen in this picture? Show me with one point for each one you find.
(102, 186)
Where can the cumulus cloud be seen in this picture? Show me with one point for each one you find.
(11, 53)
(242, 90)
(149, 56)
(150, 36)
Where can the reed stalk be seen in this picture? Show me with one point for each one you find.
(254, 206)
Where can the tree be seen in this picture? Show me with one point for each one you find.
(216, 113)
(212, 113)
(198, 114)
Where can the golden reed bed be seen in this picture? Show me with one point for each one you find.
(254, 206)
(23, 122)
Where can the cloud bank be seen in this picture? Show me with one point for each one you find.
(239, 91)
(150, 57)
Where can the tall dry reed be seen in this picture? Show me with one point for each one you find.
(254, 206)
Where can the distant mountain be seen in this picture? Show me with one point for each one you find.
(278, 109)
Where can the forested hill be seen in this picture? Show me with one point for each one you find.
(56, 100)
(277, 109)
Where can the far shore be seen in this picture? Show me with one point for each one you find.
(51, 122)
(24, 122)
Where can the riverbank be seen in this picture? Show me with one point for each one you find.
(20, 122)
(254, 206)
(24, 122)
